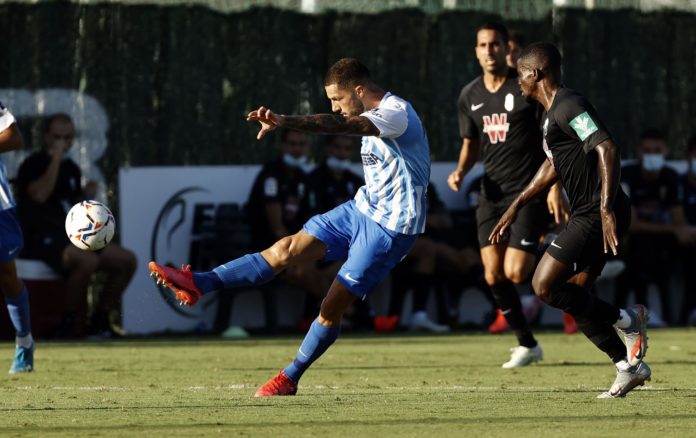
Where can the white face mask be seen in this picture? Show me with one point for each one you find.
(336, 164)
(298, 162)
(653, 162)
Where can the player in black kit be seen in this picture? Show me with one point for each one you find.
(583, 157)
(496, 119)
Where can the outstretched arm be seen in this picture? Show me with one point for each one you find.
(317, 123)
(609, 164)
(544, 178)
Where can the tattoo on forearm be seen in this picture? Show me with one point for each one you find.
(331, 124)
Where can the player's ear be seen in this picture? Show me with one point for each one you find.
(359, 91)
(537, 74)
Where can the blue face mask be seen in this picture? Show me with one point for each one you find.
(336, 164)
(653, 162)
(298, 162)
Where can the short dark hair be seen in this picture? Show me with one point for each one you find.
(544, 56)
(347, 73)
(518, 37)
(56, 117)
(651, 133)
(498, 27)
(285, 132)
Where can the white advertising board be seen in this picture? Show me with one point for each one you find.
(159, 207)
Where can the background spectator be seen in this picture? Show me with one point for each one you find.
(48, 185)
(658, 225)
(688, 308)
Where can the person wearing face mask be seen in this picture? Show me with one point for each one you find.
(658, 224)
(278, 206)
(688, 308)
(48, 184)
(333, 182)
(277, 202)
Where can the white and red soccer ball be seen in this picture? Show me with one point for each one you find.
(90, 225)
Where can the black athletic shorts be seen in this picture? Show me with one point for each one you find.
(581, 243)
(524, 233)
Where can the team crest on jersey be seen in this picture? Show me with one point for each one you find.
(509, 102)
(496, 126)
(370, 159)
(583, 125)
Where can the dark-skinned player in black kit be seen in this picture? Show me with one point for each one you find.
(582, 155)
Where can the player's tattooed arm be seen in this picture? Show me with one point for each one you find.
(317, 123)
(609, 166)
(331, 124)
(545, 177)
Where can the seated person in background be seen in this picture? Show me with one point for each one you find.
(437, 254)
(331, 184)
(658, 226)
(48, 185)
(688, 308)
(278, 207)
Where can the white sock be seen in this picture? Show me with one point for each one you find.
(622, 365)
(24, 341)
(419, 314)
(624, 320)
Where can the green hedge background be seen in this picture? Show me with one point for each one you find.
(177, 81)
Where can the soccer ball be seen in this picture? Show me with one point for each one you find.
(90, 225)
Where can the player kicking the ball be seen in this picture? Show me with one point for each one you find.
(372, 232)
(581, 154)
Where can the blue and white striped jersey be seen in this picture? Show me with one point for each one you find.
(6, 199)
(397, 168)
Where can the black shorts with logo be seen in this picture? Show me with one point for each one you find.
(581, 243)
(532, 219)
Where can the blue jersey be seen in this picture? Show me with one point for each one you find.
(6, 199)
(396, 166)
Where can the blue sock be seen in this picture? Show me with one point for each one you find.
(18, 307)
(318, 339)
(207, 282)
(248, 270)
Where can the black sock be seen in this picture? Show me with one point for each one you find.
(509, 303)
(580, 303)
(593, 316)
(421, 292)
(604, 337)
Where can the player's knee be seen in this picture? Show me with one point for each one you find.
(493, 277)
(281, 253)
(542, 289)
(517, 274)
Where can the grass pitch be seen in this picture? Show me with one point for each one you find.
(363, 386)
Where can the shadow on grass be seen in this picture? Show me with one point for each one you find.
(304, 424)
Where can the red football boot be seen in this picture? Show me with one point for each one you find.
(178, 280)
(279, 385)
(500, 325)
(569, 325)
(385, 324)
